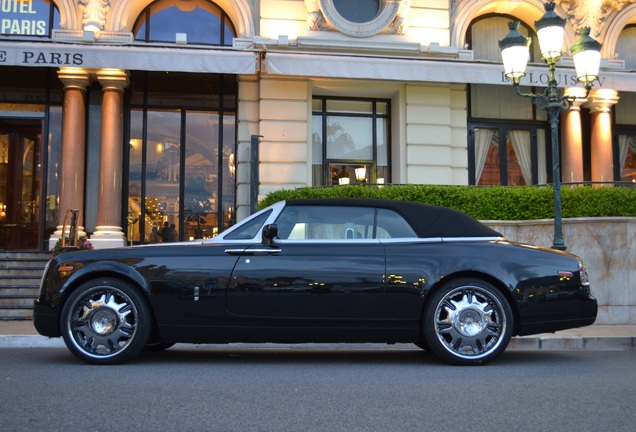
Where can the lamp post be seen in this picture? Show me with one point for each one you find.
(586, 53)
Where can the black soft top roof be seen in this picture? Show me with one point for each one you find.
(426, 220)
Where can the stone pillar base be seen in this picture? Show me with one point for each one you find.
(108, 237)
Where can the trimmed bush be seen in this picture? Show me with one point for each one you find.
(487, 203)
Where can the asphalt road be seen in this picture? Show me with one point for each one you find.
(264, 389)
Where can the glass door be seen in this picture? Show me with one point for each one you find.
(20, 174)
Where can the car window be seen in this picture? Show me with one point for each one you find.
(325, 223)
(249, 229)
(340, 223)
(391, 225)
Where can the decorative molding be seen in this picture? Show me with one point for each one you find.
(315, 18)
(593, 14)
(388, 10)
(400, 24)
(77, 36)
(601, 100)
(94, 13)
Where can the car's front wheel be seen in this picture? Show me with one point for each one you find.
(105, 321)
(467, 322)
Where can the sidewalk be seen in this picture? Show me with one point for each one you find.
(595, 337)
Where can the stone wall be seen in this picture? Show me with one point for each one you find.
(608, 248)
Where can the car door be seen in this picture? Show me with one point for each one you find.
(326, 266)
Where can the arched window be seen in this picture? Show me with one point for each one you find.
(202, 21)
(625, 130)
(29, 18)
(626, 46)
(486, 31)
(507, 134)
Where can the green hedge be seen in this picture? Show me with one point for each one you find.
(488, 203)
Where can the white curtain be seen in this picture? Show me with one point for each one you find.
(542, 168)
(625, 143)
(521, 144)
(483, 140)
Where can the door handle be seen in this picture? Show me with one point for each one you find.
(251, 251)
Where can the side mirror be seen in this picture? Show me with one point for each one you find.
(270, 232)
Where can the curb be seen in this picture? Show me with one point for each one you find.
(615, 343)
(573, 342)
(30, 341)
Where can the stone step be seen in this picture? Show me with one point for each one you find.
(15, 255)
(20, 281)
(17, 302)
(20, 275)
(30, 272)
(16, 291)
(10, 314)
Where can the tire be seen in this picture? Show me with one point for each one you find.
(105, 321)
(467, 322)
(421, 344)
(157, 346)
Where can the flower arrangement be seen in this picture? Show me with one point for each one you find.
(82, 244)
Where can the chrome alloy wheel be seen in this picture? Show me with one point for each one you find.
(469, 322)
(105, 322)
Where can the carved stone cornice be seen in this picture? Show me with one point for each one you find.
(593, 14)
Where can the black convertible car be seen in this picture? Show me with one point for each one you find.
(318, 270)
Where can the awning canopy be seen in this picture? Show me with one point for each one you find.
(428, 70)
(320, 65)
(127, 57)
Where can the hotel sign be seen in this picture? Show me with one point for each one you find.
(24, 17)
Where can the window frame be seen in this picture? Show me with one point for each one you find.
(53, 23)
(145, 18)
(619, 130)
(226, 203)
(503, 127)
(324, 178)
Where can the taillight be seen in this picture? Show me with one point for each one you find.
(585, 281)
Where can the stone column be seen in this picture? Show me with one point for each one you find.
(572, 139)
(600, 102)
(109, 232)
(73, 150)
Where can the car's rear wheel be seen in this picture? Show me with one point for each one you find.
(105, 321)
(467, 322)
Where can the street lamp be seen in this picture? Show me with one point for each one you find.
(586, 53)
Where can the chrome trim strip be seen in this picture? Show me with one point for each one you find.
(323, 241)
(471, 239)
(247, 251)
(235, 251)
(412, 240)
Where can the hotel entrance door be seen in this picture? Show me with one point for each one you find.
(20, 174)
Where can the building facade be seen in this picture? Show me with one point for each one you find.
(144, 115)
